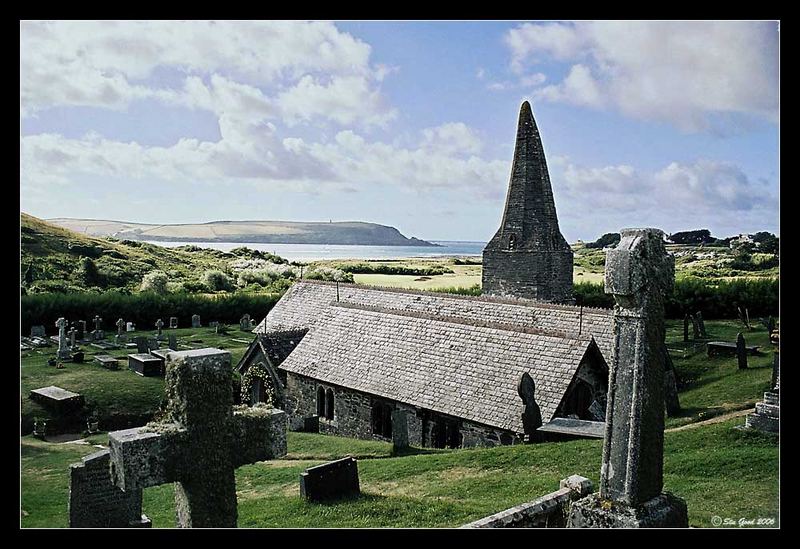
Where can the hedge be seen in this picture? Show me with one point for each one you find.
(143, 308)
(715, 299)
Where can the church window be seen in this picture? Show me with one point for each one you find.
(329, 404)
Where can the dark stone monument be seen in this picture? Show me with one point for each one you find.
(332, 480)
(531, 413)
(199, 442)
(695, 327)
(700, 324)
(311, 424)
(196, 321)
(741, 351)
(94, 501)
(639, 273)
(173, 342)
(686, 327)
(528, 256)
(141, 345)
(399, 430)
(81, 330)
(77, 357)
(671, 400)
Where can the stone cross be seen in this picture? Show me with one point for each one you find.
(63, 350)
(741, 351)
(120, 326)
(72, 333)
(97, 323)
(199, 442)
(159, 325)
(639, 273)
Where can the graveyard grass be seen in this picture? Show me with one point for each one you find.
(719, 470)
(711, 466)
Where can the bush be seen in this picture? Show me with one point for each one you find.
(141, 308)
(216, 281)
(155, 282)
(366, 268)
(328, 273)
(608, 239)
(88, 273)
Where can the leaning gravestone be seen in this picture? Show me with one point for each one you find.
(94, 501)
(332, 480)
(639, 273)
(196, 321)
(200, 441)
(741, 351)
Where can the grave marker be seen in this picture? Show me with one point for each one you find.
(120, 326)
(741, 352)
(159, 325)
(37, 331)
(200, 442)
(331, 480)
(173, 322)
(63, 350)
(196, 321)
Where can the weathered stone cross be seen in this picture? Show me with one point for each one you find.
(97, 321)
(63, 350)
(200, 441)
(159, 325)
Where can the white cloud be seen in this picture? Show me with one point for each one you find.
(111, 64)
(682, 72)
(452, 138)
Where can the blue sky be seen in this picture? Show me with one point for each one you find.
(410, 124)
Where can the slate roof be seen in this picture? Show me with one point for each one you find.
(301, 306)
(275, 345)
(450, 367)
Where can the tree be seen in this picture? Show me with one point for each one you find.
(216, 281)
(156, 282)
(88, 273)
(700, 236)
(608, 239)
(767, 242)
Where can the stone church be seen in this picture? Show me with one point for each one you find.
(344, 359)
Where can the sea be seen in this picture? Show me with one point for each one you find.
(310, 252)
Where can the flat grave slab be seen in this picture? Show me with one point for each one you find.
(57, 399)
(146, 364)
(105, 345)
(107, 361)
(727, 348)
(575, 427)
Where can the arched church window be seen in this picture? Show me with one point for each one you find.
(329, 404)
(320, 401)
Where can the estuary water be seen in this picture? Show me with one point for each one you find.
(309, 252)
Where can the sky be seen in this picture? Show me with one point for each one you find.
(668, 124)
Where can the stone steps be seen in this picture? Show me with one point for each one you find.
(771, 410)
(771, 398)
(762, 423)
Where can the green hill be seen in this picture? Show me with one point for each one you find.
(271, 232)
(57, 259)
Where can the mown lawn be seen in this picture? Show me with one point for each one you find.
(718, 470)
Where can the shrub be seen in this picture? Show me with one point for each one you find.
(366, 268)
(328, 273)
(155, 282)
(608, 239)
(215, 280)
(88, 273)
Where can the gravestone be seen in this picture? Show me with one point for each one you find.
(130, 327)
(332, 480)
(173, 342)
(145, 364)
(173, 322)
(159, 325)
(72, 333)
(141, 345)
(700, 324)
(196, 321)
(695, 327)
(94, 501)
(82, 330)
(77, 357)
(213, 324)
(200, 441)
(399, 430)
(639, 273)
(120, 326)
(245, 324)
(153, 344)
(311, 424)
(63, 349)
(97, 333)
(686, 327)
(107, 361)
(38, 331)
(531, 414)
(741, 352)
(766, 416)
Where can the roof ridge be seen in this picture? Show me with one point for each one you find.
(463, 321)
(485, 298)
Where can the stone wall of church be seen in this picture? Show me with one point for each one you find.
(353, 416)
(542, 275)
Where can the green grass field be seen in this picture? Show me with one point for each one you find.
(719, 470)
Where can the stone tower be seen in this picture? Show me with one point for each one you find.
(528, 257)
